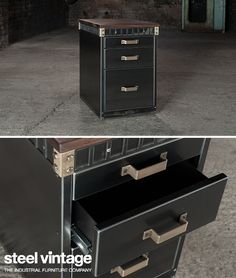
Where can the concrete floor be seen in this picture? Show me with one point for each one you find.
(209, 252)
(39, 88)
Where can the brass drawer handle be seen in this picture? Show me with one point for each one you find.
(159, 238)
(129, 58)
(145, 172)
(129, 42)
(129, 89)
(144, 260)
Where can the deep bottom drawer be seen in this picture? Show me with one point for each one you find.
(160, 262)
(138, 216)
(129, 89)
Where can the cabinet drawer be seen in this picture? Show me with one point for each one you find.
(109, 174)
(160, 261)
(129, 89)
(129, 41)
(142, 215)
(128, 58)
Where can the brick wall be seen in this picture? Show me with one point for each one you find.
(166, 12)
(20, 19)
(30, 17)
(3, 23)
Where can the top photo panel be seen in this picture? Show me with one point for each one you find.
(117, 67)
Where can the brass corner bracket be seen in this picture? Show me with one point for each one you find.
(64, 163)
(102, 32)
(157, 31)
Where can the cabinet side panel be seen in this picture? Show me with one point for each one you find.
(90, 70)
(30, 201)
(203, 155)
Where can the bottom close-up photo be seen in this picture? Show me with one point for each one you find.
(118, 207)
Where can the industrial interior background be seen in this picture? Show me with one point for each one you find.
(39, 58)
(20, 19)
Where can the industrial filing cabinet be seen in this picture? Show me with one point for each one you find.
(118, 61)
(129, 202)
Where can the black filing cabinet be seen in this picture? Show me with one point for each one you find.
(118, 60)
(128, 202)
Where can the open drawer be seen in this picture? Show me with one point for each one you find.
(140, 215)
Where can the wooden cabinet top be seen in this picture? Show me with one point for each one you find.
(67, 144)
(118, 23)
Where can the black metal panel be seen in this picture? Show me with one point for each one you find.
(117, 147)
(148, 141)
(100, 153)
(113, 149)
(113, 32)
(42, 145)
(198, 11)
(116, 42)
(110, 174)
(159, 201)
(90, 78)
(231, 15)
(82, 158)
(66, 212)
(203, 155)
(34, 141)
(30, 201)
(116, 100)
(49, 152)
(162, 262)
(132, 145)
(129, 112)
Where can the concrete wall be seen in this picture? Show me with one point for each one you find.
(3, 23)
(20, 19)
(166, 12)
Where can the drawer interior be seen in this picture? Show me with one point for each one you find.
(132, 195)
(129, 210)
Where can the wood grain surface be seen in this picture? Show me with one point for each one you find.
(67, 144)
(118, 23)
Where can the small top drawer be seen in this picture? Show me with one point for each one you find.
(102, 177)
(125, 42)
(142, 215)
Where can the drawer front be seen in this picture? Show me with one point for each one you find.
(161, 262)
(128, 58)
(113, 149)
(161, 222)
(110, 174)
(129, 89)
(129, 41)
